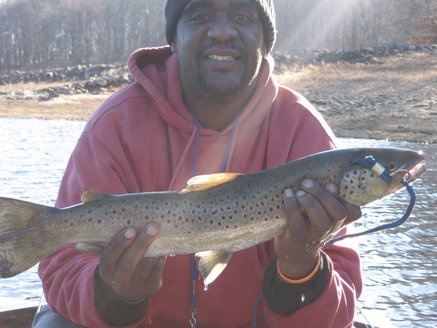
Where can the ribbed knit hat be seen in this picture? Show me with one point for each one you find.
(174, 8)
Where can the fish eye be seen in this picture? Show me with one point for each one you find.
(391, 166)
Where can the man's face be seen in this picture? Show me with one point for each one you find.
(220, 46)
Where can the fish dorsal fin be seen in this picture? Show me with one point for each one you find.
(92, 195)
(203, 182)
(211, 263)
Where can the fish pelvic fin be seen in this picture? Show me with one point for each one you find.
(207, 181)
(212, 263)
(90, 247)
(21, 243)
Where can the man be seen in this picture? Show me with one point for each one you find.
(208, 103)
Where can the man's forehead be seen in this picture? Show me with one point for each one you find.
(193, 4)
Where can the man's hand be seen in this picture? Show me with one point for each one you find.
(123, 266)
(313, 215)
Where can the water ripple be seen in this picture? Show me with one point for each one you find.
(398, 264)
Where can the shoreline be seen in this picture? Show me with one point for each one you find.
(81, 107)
(392, 100)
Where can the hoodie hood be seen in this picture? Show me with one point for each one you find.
(157, 71)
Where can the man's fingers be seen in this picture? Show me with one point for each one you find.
(154, 278)
(354, 213)
(114, 250)
(291, 208)
(335, 209)
(318, 217)
(134, 255)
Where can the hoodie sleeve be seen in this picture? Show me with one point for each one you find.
(334, 304)
(68, 275)
(328, 300)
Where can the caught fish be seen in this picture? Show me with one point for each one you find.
(214, 216)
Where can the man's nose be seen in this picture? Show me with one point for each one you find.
(222, 28)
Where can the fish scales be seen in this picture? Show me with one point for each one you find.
(215, 221)
(214, 216)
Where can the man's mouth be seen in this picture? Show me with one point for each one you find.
(222, 58)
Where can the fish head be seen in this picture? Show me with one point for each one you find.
(376, 173)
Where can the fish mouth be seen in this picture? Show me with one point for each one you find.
(409, 176)
(415, 172)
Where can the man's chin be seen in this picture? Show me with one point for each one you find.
(222, 87)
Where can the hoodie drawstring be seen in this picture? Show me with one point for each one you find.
(229, 147)
(223, 168)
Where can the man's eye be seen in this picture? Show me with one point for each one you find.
(199, 17)
(245, 17)
(241, 18)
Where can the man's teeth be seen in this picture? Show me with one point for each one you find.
(222, 58)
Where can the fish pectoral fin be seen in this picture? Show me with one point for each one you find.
(203, 182)
(90, 247)
(92, 195)
(211, 263)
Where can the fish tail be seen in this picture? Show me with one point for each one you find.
(22, 244)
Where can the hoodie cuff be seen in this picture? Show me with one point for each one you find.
(285, 298)
(111, 308)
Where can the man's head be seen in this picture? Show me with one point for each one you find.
(220, 45)
(174, 9)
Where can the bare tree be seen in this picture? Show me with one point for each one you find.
(43, 33)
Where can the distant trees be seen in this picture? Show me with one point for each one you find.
(43, 33)
(350, 24)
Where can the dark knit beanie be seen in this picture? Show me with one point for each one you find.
(174, 9)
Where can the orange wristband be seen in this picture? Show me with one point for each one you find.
(304, 279)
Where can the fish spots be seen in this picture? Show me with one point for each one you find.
(357, 184)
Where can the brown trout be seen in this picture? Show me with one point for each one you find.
(214, 216)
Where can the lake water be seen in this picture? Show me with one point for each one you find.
(399, 265)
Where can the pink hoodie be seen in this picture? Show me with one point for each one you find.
(143, 138)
